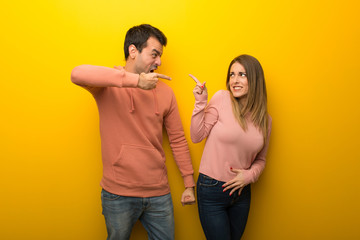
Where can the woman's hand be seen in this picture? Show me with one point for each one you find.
(237, 183)
(200, 88)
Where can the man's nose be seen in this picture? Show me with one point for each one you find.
(158, 61)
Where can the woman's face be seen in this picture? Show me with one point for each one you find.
(238, 80)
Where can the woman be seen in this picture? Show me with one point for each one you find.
(237, 127)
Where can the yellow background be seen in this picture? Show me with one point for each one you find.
(50, 165)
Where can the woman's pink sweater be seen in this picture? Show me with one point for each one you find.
(227, 145)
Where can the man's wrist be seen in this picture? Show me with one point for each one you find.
(141, 76)
(138, 81)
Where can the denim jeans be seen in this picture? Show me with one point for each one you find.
(222, 216)
(121, 213)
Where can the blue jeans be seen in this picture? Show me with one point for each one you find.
(222, 216)
(121, 213)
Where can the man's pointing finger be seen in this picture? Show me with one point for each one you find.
(163, 76)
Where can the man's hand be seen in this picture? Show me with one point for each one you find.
(188, 197)
(149, 80)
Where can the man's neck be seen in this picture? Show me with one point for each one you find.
(130, 67)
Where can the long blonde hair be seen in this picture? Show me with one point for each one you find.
(256, 100)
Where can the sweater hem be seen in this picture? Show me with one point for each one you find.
(136, 190)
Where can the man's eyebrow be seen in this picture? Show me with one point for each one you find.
(159, 53)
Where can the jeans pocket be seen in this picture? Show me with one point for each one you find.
(207, 181)
(105, 195)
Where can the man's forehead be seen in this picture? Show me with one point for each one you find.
(154, 45)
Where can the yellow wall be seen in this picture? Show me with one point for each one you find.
(50, 164)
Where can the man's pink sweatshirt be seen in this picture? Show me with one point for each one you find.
(131, 129)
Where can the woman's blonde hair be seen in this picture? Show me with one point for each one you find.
(255, 104)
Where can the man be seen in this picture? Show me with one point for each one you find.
(133, 108)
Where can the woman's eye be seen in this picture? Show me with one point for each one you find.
(232, 74)
(242, 74)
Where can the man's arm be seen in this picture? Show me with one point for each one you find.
(180, 151)
(94, 78)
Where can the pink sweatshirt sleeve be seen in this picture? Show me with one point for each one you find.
(203, 117)
(179, 144)
(258, 166)
(92, 77)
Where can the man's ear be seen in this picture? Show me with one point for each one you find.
(132, 51)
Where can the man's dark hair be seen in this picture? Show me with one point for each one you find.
(138, 35)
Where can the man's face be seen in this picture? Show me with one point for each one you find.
(149, 58)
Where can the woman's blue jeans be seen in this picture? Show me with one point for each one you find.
(121, 213)
(222, 217)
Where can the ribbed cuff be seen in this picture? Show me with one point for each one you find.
(201, 97)
(189, 181)
(130, 80)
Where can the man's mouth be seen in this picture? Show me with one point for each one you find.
(152, 69)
